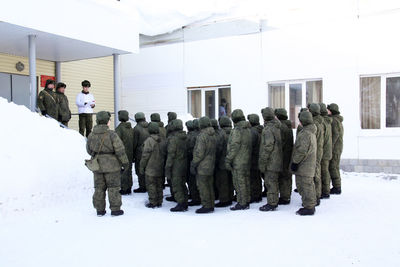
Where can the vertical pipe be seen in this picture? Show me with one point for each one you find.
(58, 71)
(32, 71)
(117, 88)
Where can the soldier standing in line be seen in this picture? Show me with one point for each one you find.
(48, 101)
(327, 154)
(64, 113)
(337, 148)
(193, 190)
(255, 175)
(110, 152)
(140, 134)
(152, 165)
(125, 133)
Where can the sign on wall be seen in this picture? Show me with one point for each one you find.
(44, 78)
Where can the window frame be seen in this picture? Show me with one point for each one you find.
(287, 83)
(203, 90)
(388, 131)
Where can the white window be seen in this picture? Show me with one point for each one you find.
(380, 101)
(211, 101)
(293, 95)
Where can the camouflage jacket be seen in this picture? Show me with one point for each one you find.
(48, 102)
(125, 132)
(327, 155)
(190, 142)
(240, 147)
(318, 121)
(305, 151)
(64, 113)
(140, 134)
(162, 131)
(337, 134)
(152, 161)
(255, 143)
(112, 154)
(287, 142)
(205, 151)
(176, 163)
(271, 158)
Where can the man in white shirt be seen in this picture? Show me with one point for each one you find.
(85, 102)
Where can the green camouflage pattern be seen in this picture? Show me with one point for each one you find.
(64, 113)
(48, 102)
(255, 174)
(125, 133)
(327, 154)
(337, 148)
(140, 134)
(111, 183)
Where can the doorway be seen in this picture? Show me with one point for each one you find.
(15, 88)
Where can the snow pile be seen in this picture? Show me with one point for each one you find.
(38, 159)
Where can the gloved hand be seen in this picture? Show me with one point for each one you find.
(294, 167)
(228, 166)
(193, 169)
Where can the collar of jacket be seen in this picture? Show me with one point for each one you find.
(85, 93)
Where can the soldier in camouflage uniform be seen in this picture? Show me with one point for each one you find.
(337, 148)
(171, 116)
(64, 113)
(203, 164)
(238, 159)
(125, 133)
(155, 117)
(271, 158)
(219, 133)
(152, 165)
(255, 175)
(285, 176)
(304, 162)
(192, 184)
(318, 122)
(140, 134)
(47, 100)
(110, 151)
(176, 164)
(223, 176)
(327, 154)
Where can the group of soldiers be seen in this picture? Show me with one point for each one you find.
(214, 160)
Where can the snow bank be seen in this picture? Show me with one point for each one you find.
(38, 159)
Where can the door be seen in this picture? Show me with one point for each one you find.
(21, 90)
(5, 86)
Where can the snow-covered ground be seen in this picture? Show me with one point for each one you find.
(47, 219)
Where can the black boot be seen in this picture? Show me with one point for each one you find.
(152, 206)
(268, 207)
(125, 192)
(283, 201)
(296, 190)
(101, 213)
(180, 208)
(264, 193)
(170, 199)
(325, 196)
(117, 213)
(203, 210)
(194, 203)
(305, 212)
(336, 190)
(223, 204)
(240, 207)
(140, 190)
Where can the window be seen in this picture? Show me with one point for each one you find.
(202, 101)
(393, 102)
(293, 95)
(314, 91)
(276, 93)
(380, 101)
(370, 102)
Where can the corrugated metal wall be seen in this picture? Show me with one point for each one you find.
(99, 72)
(43, 67)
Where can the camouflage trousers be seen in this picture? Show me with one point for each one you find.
(110, 182)
(306, 188)
(325, 177)
(141, 177)
(224, 184)
(85, 123)
(193, 190)
(317, 180)
(255, 184)
(271, 180)
(126, 179)
(154, 186)
(179, 189)
(285, 185)
(241, 182)
(334, 170)
(205, 184)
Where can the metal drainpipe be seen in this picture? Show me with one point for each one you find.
(32, 71)
(117, 88)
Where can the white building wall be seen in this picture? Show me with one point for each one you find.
(336, 50)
